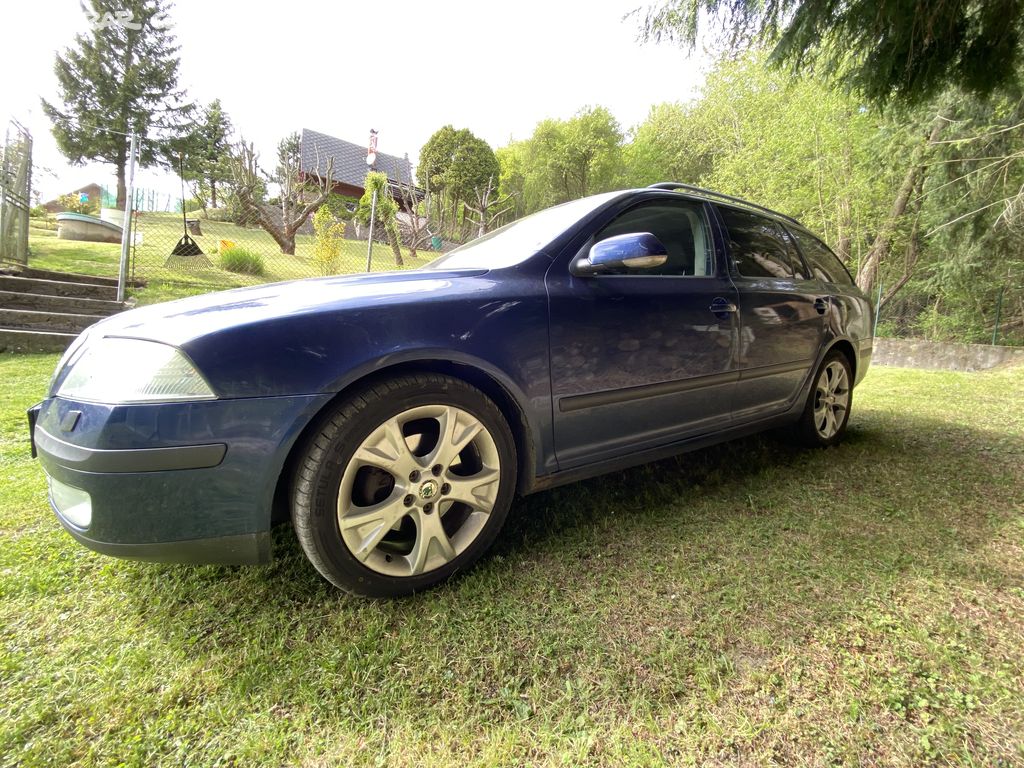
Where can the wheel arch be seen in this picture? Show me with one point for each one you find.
(498, 392)
(845, 346)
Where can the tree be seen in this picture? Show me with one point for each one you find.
(567, 159)
(904, 50)
(384, 213)
(663, 148)
(488, 206)
(453, 165)
(418, 228)
(300, 195)
(117, 79)
(207, 153)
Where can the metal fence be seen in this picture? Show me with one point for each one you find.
(999, 319)
(191, 245)
(15, 191)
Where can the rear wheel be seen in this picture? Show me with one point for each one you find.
(827, 411)
(406, 483)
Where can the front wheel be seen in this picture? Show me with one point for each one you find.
(827, 412)
(407, 482)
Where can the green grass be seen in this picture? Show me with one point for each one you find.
(750, 604)
(159, 234)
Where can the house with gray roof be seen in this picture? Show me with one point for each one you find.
(349, 172)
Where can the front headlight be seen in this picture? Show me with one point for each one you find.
(132, 371)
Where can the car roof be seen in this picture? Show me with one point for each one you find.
(719, 197)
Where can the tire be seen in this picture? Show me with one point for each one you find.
(827, 412)
(403, 484)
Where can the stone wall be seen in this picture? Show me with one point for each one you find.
(938, 355)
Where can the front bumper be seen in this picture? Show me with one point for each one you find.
(172, 482)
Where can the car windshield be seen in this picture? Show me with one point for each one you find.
(516, 241)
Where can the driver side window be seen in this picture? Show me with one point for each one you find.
(682, 229)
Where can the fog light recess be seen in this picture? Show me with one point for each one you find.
(74, 504)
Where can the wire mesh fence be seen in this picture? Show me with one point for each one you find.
(234, 248)
(312, 225)
(941, 317)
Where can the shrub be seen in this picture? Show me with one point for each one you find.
(243, 261)
(73, 202)
(327, 246)
(194, 204)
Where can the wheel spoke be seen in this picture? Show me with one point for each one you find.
(386, 448)
(479, 491)
(368, 525)
(432, 548)
(821, 417)
(458, 429)
(830, 421)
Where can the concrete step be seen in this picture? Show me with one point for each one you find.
(16, 270)
(58, 322)
(34, 341)
(41, 302)
(57, 288)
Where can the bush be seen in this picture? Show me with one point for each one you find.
(73, 202)
(243, 261)
(327, 246)
(194, 204)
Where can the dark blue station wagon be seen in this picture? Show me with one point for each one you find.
(394, 416)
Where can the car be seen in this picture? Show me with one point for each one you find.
(395, 416)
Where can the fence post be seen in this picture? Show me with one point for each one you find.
(999, 312)
(28, 198)
(126, 224)
(878, 310)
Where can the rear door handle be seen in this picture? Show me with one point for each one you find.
(720, 306)
(821, 305)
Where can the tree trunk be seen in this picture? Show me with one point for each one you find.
(213, 193)
(868, 272)
(396, 245)
(122, 190)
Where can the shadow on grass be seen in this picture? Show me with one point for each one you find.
(776, 537)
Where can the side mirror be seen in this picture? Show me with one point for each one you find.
(635, 250)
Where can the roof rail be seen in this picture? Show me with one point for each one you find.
(721, 196)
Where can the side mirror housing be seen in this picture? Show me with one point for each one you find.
(632, 251)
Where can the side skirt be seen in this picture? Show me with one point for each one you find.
(663, 452)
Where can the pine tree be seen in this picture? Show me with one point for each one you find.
(207, 153)
(888, 50)
(120, 77)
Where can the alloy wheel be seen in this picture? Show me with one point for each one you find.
(831, 399)
(418, 490)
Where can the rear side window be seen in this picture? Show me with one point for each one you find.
(759, 247)
(825, 264)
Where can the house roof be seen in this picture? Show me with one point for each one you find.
(349, 160)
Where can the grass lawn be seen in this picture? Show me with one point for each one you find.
(160, 232)
(749, 604)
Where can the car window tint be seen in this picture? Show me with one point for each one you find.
(759, 247)
(825, 264)
(682, 229)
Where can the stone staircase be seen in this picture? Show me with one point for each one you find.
(43, 311)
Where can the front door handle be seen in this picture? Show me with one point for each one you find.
(721, 306)
(821, 305)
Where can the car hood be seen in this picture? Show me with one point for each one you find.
(178, 322)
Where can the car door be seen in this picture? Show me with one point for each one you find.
(642, 358)
(782, 313)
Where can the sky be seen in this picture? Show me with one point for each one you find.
(403, 68)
